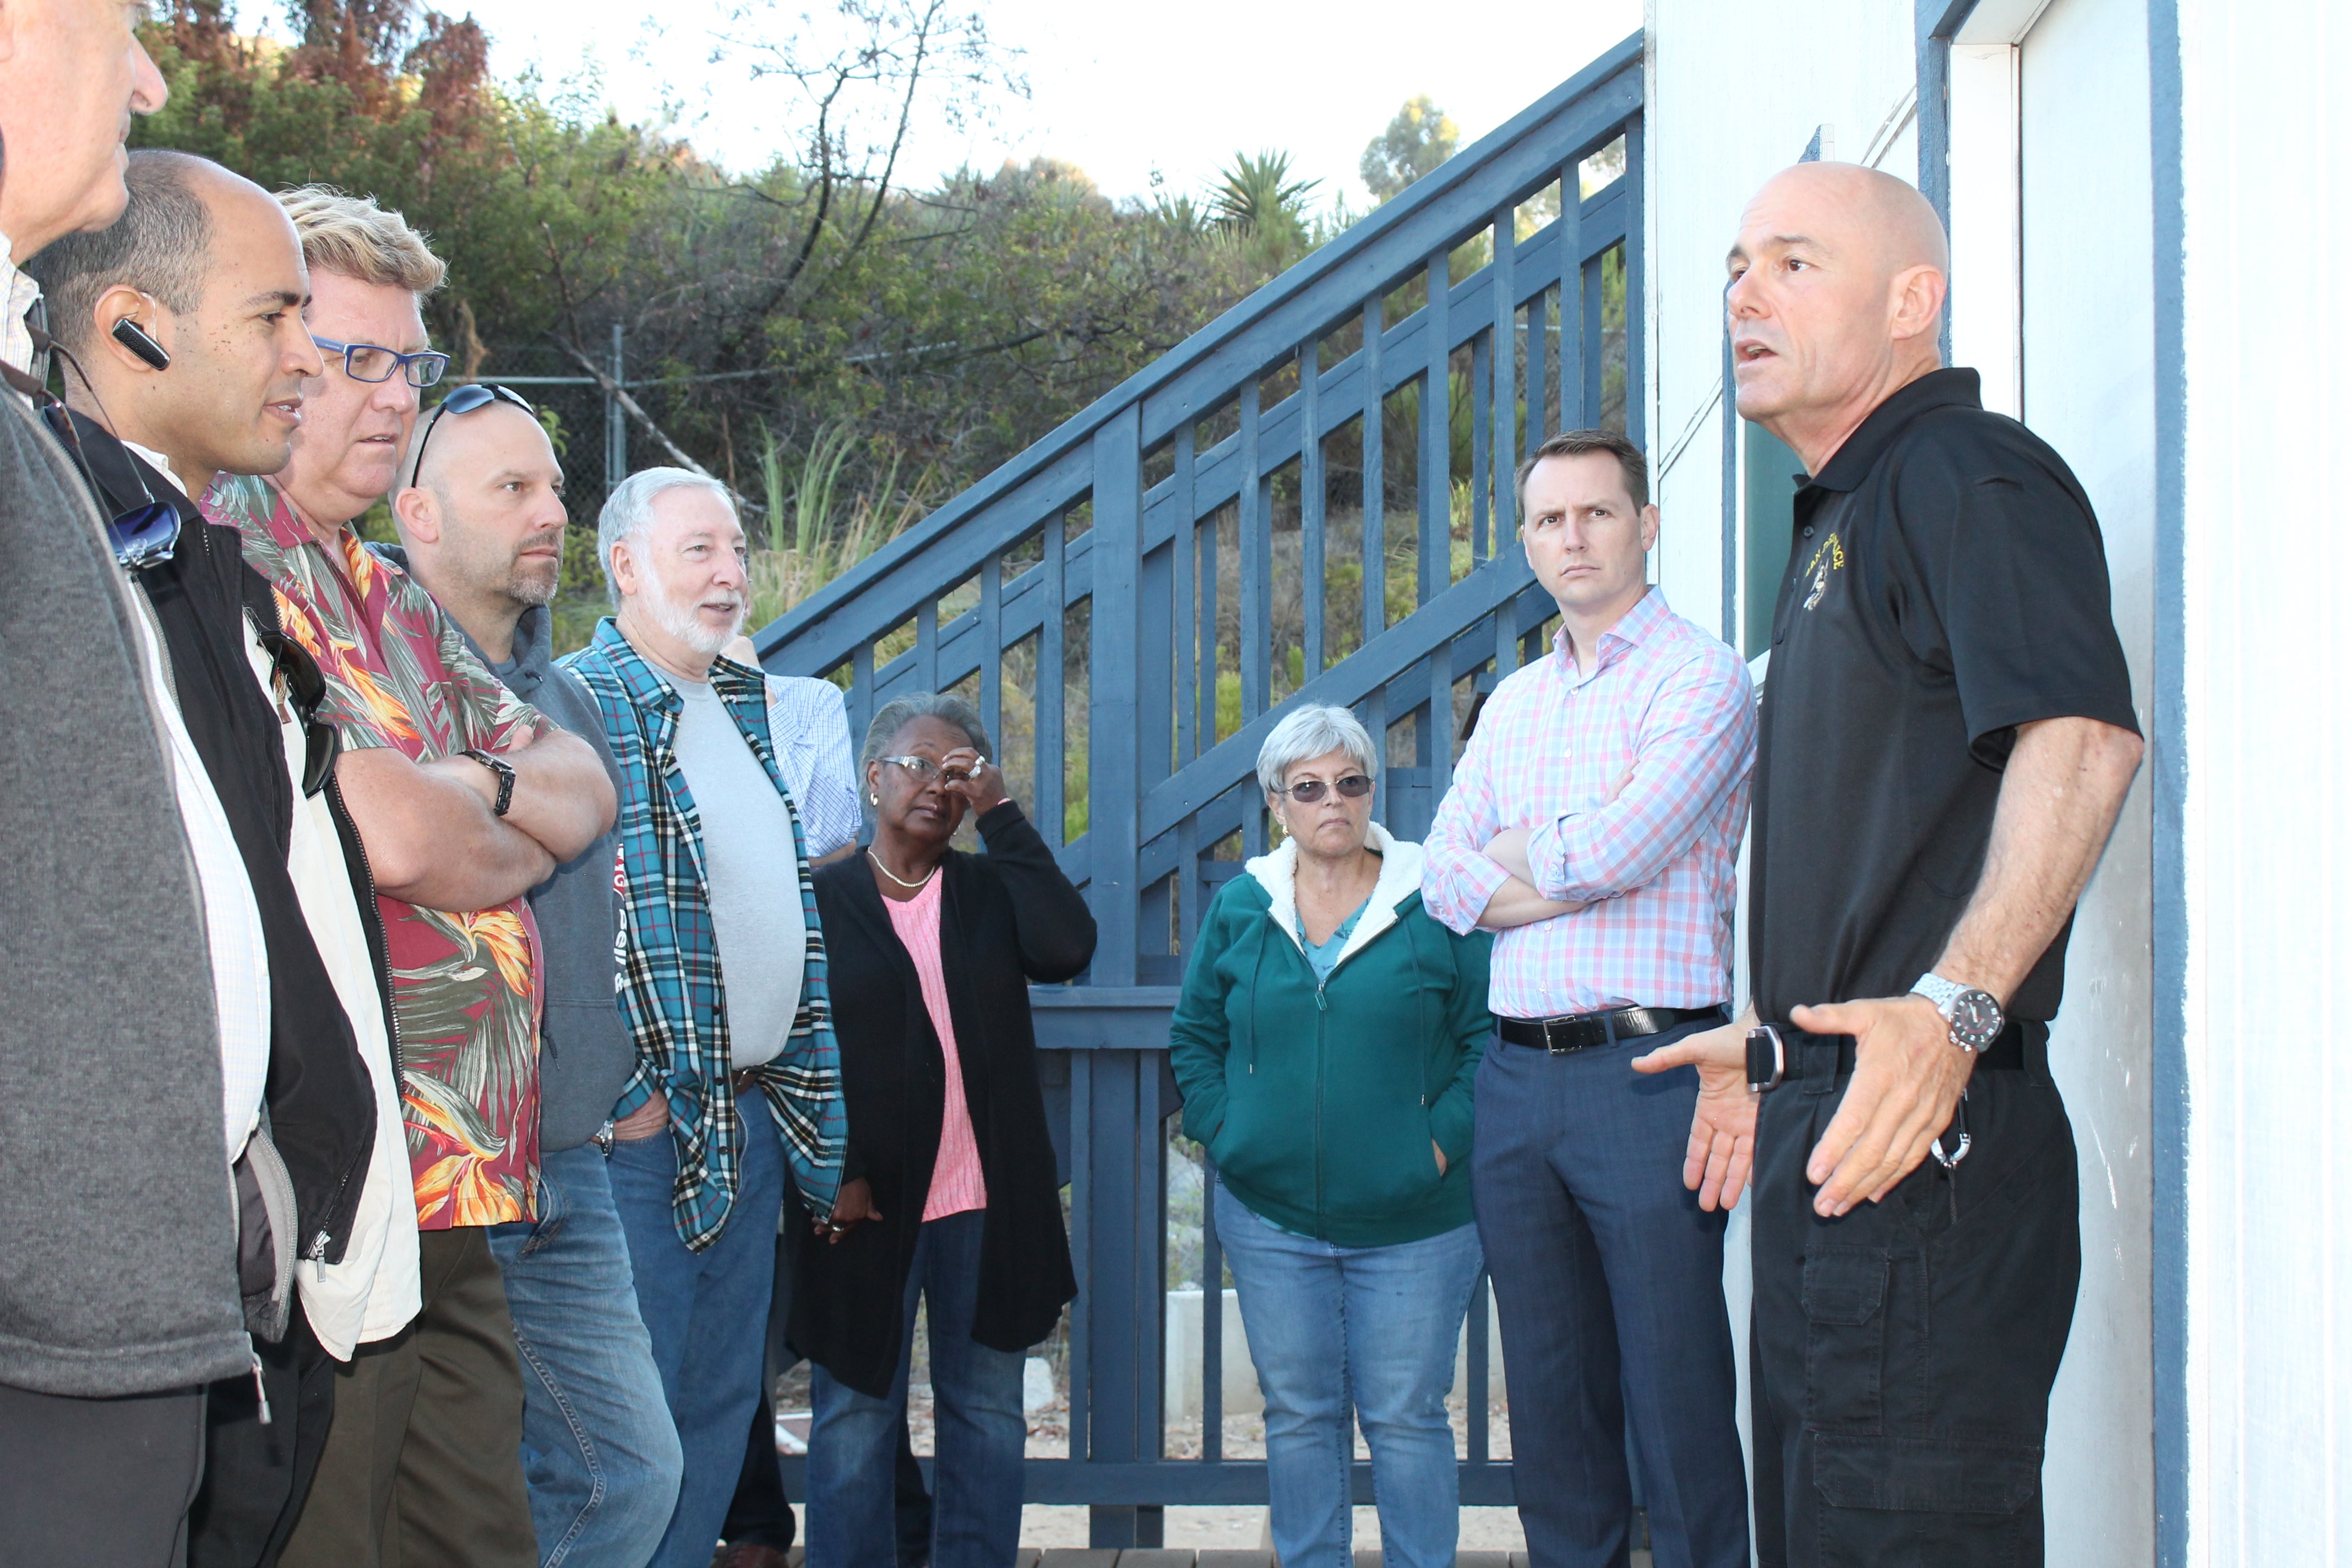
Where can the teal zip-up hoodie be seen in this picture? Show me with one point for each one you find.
(1320, 1103)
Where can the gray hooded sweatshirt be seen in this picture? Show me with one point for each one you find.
(118, 1233)
(585, 1054)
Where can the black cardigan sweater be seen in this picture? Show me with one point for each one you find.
(1006, 918)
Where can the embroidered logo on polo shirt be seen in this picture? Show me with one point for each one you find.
(1829, 558)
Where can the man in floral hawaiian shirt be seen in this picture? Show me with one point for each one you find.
(463, 798)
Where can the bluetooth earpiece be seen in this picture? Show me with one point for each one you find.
(132, 336)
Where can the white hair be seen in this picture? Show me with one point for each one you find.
(629, 511)
(1314, 730)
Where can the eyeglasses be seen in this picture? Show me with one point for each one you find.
(144, 531)
(1307, 792)
(374, 363)
(462, 400)
(927, 770)
(306, 685)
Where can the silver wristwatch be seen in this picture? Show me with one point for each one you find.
(1974, 1018)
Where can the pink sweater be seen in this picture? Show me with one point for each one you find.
(956, 1182)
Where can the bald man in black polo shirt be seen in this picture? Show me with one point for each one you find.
(1946, 738)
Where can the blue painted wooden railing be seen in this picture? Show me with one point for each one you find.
(1109, 529)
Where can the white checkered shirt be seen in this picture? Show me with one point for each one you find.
(1635, 780)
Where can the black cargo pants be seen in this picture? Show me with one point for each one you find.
(1903, 1354)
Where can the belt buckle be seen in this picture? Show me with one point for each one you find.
(1765, 1049)
(1565, 1049)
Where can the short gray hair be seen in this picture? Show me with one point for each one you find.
(629, 511)
(900, 711)
(161, 246)
(1314, 730)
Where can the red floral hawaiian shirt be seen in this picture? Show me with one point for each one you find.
(465, 988)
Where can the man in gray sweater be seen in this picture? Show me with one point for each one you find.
(119, 1293)
(484, 523)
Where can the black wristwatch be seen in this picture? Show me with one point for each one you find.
(504, 773)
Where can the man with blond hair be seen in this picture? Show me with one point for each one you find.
(463, 799)
(1946, 738)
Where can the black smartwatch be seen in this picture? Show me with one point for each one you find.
(504, 773)
(1768, 1059)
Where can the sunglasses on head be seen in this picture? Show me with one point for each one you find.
(1307, 792)
(464, 400)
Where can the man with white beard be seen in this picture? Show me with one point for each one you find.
(707, 828)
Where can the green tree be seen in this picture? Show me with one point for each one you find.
(1419, 139)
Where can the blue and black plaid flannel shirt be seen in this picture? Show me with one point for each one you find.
(671, 991)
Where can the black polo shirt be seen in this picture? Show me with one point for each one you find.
(1945, 584)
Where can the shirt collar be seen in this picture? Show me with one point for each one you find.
(645, 686)
(1633, 628)
(735, 683)
(18, 293)
(1952, 388)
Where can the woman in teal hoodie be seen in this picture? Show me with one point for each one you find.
(1326, 1043)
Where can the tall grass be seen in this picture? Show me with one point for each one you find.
(817, 527)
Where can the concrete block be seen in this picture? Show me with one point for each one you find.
(1156, 1557)
(1077, 1557)
(1260, 1558)
(1482, 1560)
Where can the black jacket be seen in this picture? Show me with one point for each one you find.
(321, 1101)
(1006, 918)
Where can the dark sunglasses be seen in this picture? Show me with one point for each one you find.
(143, 530)
(1355, 786)
(374, 363)
(306, 686)
(462, 400)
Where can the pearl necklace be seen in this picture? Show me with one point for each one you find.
(902, 881)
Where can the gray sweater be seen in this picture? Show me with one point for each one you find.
(585, 1054)
(118, 1239)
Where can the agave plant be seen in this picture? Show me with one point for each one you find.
(1256, 194)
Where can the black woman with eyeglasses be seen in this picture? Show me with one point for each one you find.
(1327, 1040)
(929, 954)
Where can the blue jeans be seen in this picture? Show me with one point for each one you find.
(981, 1429)
(707, 1313)
(597, 1446)
(1374, 1327)
(1609, 1284)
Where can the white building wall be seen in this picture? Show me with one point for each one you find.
(1734, 93)
(2089, 362)
(2267, 223)
(1735, 96)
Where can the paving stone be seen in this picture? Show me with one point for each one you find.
(1156, 1557)
(1482, 1560)
(1077, 1557)
(1026, 1557)
(1258, 1557)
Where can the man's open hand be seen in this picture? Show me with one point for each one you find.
(1723, 1129)
(1907, 1077)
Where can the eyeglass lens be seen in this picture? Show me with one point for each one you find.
(370, 362)
(1355, 786)
(927, 770)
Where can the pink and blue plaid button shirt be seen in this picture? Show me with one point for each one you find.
(1634, 781)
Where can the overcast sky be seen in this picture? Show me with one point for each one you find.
(1118, 90)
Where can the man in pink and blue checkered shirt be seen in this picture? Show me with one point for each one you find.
(1594, 823)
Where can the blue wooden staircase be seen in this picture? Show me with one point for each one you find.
(1134, 601)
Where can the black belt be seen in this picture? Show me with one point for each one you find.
(1582, 1031)
(2006, 1054)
